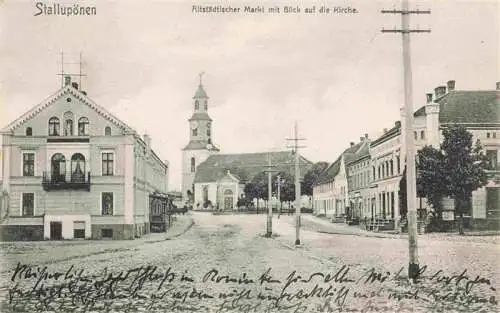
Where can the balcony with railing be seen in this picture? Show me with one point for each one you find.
(66, 181)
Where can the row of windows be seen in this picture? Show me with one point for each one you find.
(58, 165)
(386, 169)
(361, 179)
(55, 126)
(28, 204)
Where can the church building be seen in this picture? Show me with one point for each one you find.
(214, 180)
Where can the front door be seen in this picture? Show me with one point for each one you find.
(55, 230)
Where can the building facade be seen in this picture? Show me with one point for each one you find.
(359, 178)
(330, 191)
(386, 171)
(73, 170)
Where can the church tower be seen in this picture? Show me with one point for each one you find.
(200, 145)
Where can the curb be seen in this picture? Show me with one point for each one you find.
(182, 232)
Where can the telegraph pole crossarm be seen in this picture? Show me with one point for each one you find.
(413, 265)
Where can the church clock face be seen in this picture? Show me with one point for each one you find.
(194, 125)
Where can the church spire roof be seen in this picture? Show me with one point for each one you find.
(200, 92)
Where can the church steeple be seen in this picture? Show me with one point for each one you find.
(200, 123)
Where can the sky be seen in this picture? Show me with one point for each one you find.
(337, 75)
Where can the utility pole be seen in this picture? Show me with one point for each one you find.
(297, 184)
(411, 185)
(269, 171)
(278, 181)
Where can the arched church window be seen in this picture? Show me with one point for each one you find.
(54, 126)
(195, 131)
(193, 165)
(68, 124)
(107, 131)
(209, 131)
(206, 105)
(197, 105)
(83, 126)
(29, 131)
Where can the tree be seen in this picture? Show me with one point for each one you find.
(256, 188)
(456, 170)
(311, 176)
(465, 168)
(430, 177)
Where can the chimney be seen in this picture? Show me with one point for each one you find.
(498, 85)
(352, 143)
(67, 80)
(451, 85)
(385, 130)
(84, 92)
(397, 123)
(429, 97)
(75, 85)
(440, 91)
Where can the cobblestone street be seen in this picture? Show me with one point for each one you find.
(224, 264)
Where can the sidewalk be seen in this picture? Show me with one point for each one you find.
(321, 225)
(48, 252)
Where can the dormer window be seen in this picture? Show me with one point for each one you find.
(197, 105)
(83, 126)
(29, 131)
(107, 131)
(54, 125)
(68, 124)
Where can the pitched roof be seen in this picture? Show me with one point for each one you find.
(391, 133)
(199, 145)
(331, 171)
(471, 107)
(200, 93)
(246, 165)
(32, 113)
(363, 152)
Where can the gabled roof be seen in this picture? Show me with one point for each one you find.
(246, 165)
(66, 90)
(470, 107)
(200, 93)
(331, 171)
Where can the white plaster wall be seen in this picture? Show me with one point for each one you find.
(67, 224)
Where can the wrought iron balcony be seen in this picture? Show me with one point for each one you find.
(68, 181)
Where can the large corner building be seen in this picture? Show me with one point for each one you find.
(73, 170)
